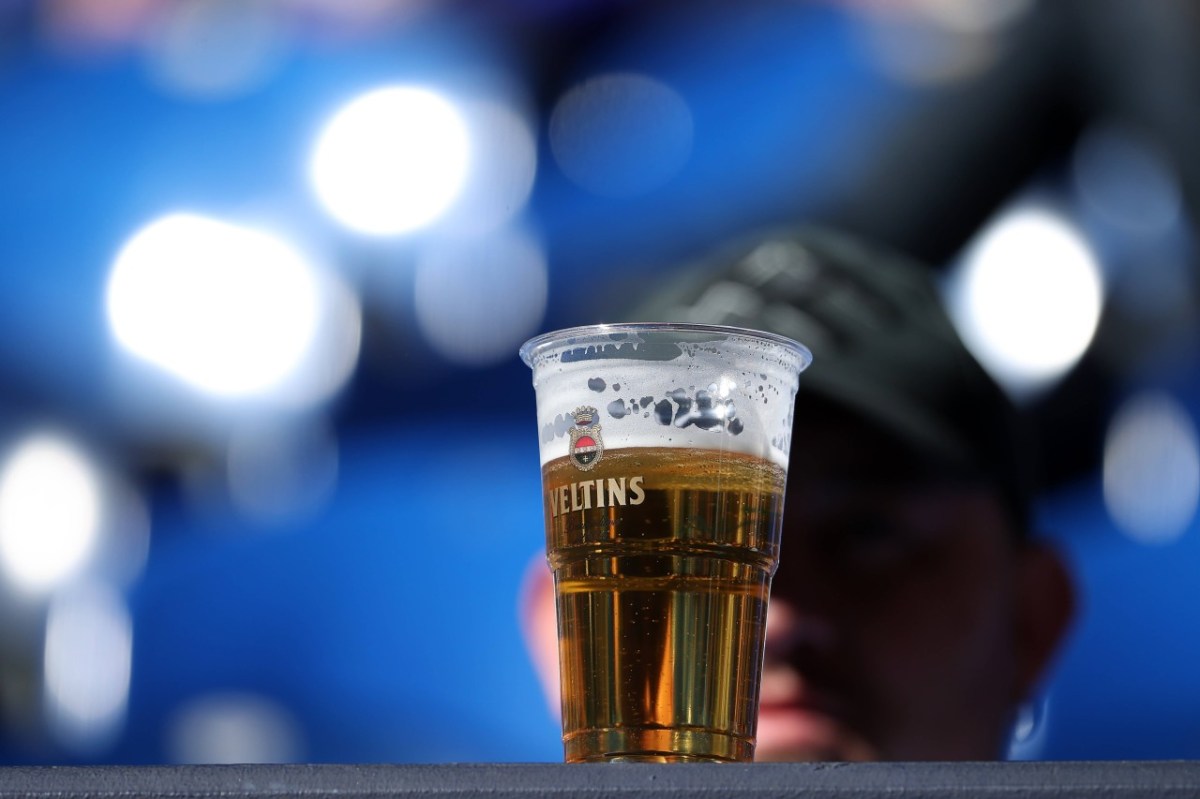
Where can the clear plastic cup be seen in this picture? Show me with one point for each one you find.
(664, 452)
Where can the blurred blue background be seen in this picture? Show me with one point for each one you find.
(268, 464)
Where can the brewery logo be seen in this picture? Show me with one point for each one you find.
(587, 448)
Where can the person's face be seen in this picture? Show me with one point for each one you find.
(891, 629)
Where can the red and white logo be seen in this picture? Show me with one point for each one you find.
(587, 448)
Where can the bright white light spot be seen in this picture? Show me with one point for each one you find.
(1027, 298)
(216, 48)
(282, 474)
(503, 167)
(478, 299)
(229, 310)
(89, 643)
(1152, 468)
(235, 728)
(391, 161)
(621, 135)
(50, 512)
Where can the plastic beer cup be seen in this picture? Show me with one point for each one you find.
(664, 452)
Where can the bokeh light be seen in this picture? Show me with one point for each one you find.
(622, 134)
(391, 161)
(229, 310)
(930, 42)
(279, 474)
(1027, 297)
(917, 51)
(503, 167)
(88, 655)
(333, 354)
(1130, 197)
(51, 507)
(216, 49)
(478, 299)
(1152, 468)
(973, 16)
(93, 26)
(234, 727)
(125, 533)
(1125, 179)
(341, 21)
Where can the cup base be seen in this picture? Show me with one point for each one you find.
(656, 745)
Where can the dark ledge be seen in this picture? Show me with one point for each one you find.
(1143, 779)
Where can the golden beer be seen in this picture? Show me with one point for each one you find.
(662, 560)
(664, 450)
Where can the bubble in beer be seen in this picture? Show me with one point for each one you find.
(597, 384)
(616, 386)
(646, 401)
(617, 409)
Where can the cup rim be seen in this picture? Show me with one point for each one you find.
(535, 346)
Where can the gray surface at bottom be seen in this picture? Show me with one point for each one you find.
(1148, 779)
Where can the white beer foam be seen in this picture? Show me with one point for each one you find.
(705, 389)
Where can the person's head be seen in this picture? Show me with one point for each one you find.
(910, 614)
(912, 611)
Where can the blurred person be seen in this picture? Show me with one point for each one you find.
(913, 610)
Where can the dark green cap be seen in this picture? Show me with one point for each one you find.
(882, 345)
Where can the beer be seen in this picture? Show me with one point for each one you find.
(664, 449)
(662, 559)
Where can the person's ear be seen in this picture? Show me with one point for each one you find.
(539, 627)
(1045, 608)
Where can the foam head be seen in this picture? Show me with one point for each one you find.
(663, 385)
